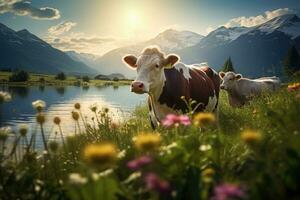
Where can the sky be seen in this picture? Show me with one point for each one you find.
(97, 26)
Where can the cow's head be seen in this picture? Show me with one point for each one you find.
(229, 79)
(150, 67)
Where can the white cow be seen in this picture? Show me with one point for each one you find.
(240, 90)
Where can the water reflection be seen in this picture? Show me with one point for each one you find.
(20, 91)
(60, 90)
(60, 102)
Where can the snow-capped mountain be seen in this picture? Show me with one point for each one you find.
(288, 24)
(223, 35)
(169, 41)
(256, 51)
(23, 50)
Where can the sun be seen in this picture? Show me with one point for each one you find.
(134, 19)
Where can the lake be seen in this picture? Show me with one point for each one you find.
(60, 102)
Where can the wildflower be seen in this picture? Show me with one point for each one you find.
(4, 97)
(23, 129)
(40, 118)
(176, 120)
(207, 175)
(251, 137)
(75, 115)
(106, 110)
(228, 191)
(205, 147)
(139, 162)
(133, 177)
(153, 182)
(94, 107)
(202, 119)
(77, 179)
(122, 154)
(96, 176)
(100, 154)
(293, 87)
(39, 105)
(4, 132)
(77, 106)
(56, 120)
(53, 145)
(114, 125)
(147, 141)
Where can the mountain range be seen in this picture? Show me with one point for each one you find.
(255, 51)
(23, 50)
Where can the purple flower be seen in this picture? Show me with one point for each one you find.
(139, 162)
(176, 120)
(228, 191)
(153, 182)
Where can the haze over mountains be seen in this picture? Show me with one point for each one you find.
(255, 51)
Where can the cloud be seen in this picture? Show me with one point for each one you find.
(25, 8)
(83, 43)
(257, 20)
(61, 28)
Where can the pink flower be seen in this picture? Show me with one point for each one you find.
(228, 191)
(139, 162)
(153, 182)
(176, 120)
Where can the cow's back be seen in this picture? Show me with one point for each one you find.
(201, 87)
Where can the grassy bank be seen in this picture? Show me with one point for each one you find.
(250, 153)
(42, 79)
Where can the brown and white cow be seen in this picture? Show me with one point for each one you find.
(240, 90)
(166, 80)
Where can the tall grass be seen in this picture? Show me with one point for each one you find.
(253, 153)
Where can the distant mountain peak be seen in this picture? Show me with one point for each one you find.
(288, 24)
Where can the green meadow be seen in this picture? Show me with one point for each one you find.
(251, 152)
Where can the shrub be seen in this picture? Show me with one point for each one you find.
(19, 76)
(116, 79)
(86, 79)
(60, 76)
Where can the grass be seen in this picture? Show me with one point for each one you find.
(35, 79)
(252, 152)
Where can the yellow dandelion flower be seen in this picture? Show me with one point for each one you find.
(202, 119)
(100, 154)
(56, 120)
(251, 137)
(77, 106)
(147, 141)
(75, 115)
(209, 172)
(40, 118)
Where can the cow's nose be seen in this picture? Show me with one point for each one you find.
(222, 87)
(137, 87)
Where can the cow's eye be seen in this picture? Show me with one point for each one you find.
(157, 66)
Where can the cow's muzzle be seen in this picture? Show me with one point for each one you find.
(138, 87)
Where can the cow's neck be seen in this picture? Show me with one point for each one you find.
(159, 110)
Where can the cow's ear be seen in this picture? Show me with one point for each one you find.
(221, 74)
(130, 61)
(170, 61)
(238, 76)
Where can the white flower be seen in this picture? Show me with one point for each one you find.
(105, 173)
(205, 147)
(122, 154)
(77, 179)
(4, 97)
(4, 132)
(133, 177)
(23, 129)
(39, 105)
